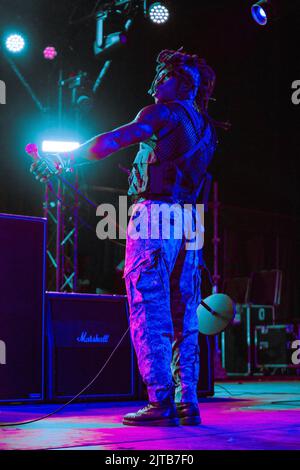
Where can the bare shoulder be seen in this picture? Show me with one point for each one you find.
(157, 115)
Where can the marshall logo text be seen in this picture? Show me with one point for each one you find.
(86, 338)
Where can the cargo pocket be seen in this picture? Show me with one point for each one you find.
(144, 279)
(145, 258)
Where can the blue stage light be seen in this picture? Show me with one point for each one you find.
(259, 15)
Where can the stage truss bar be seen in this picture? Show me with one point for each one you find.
(61, 207)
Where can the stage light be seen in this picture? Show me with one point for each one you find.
(264, 11)
(158, 13)
(259, 14)
(269, 11)
(50, 53)
(15, 43)
(57, 146)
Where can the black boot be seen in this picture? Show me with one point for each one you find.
(188, 413)
(160, 413)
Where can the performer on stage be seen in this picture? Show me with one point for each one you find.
(177, 142)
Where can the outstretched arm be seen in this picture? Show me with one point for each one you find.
(148, 121)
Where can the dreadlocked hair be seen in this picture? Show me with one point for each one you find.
(177, 62)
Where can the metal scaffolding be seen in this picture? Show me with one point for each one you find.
(61, 202)
(61, 206)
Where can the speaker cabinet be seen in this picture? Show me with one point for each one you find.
(82, 332)
(22, 287)
(274, 346)
(237, 288)
(238, 338)
(265, 287)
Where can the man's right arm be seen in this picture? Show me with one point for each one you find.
(149, 120)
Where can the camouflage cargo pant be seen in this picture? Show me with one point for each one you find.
(163, 287)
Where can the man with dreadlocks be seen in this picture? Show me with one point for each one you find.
(177, 141)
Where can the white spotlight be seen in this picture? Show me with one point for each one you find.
(158, 13)
(15, 43)
(57, 146)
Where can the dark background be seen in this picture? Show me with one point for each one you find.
(255, 165)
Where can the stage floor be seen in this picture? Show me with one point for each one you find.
(245, 416)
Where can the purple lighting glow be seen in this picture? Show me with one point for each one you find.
(50, 53)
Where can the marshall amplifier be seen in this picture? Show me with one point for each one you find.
(82, 332)
(22, 287)
(238, 338)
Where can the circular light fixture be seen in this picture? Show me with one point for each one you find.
(259, 15)
(158, 13)
(15, 43)
(50, 53)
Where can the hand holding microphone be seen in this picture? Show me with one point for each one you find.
(44, 168)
